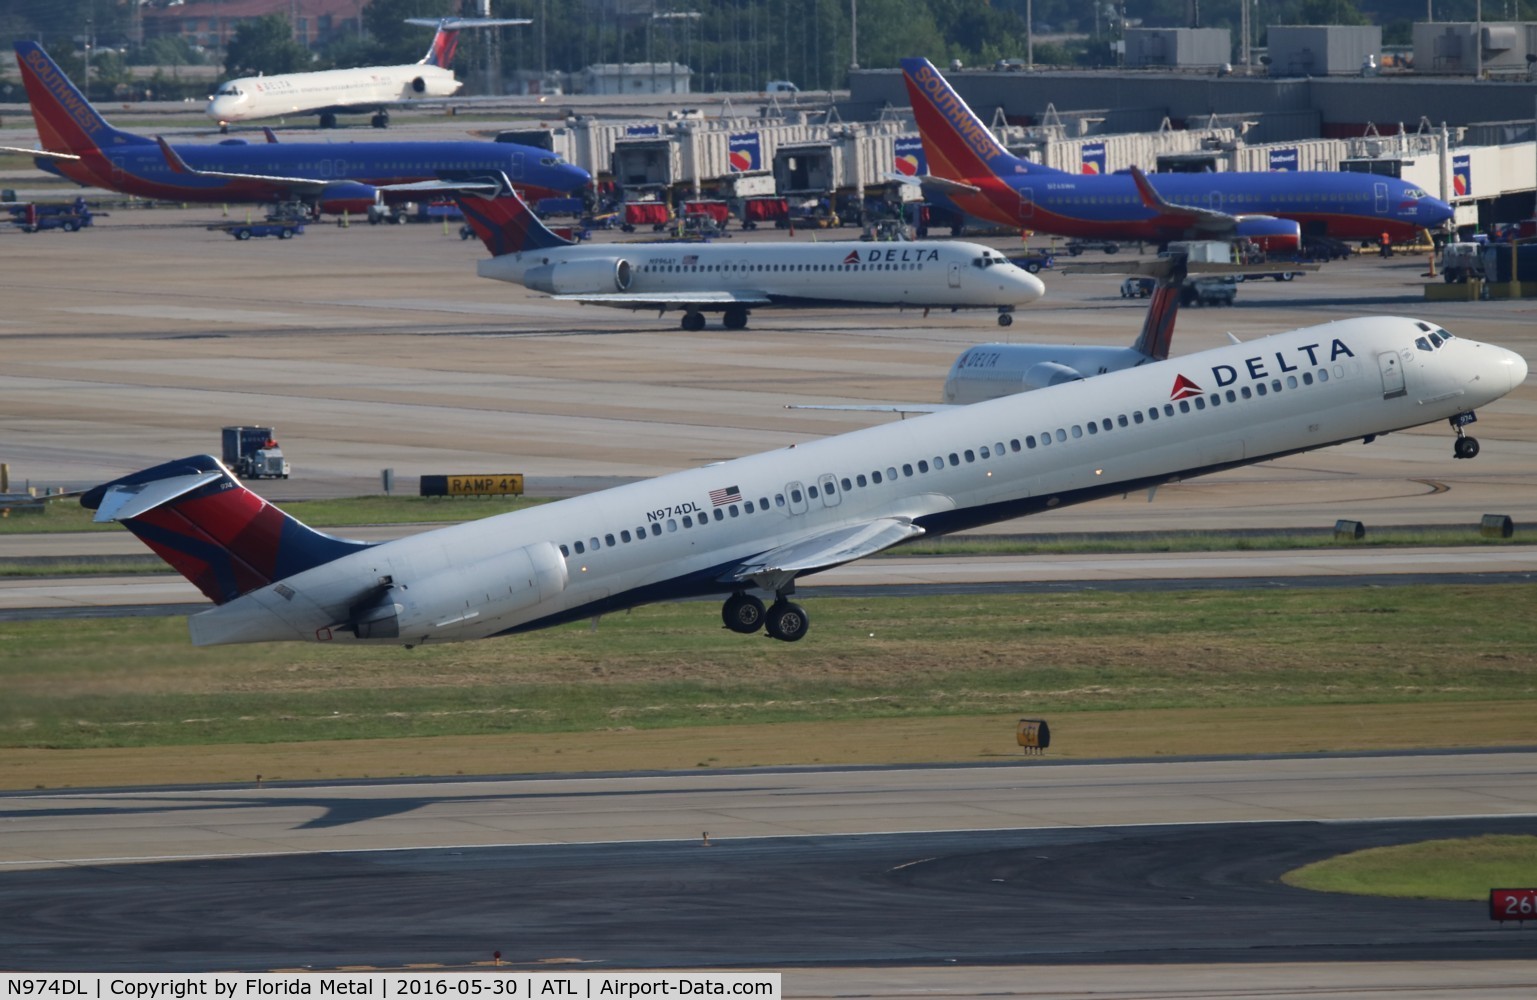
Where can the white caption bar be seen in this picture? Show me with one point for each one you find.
(389, 985)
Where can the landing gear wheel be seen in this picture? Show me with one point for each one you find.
(693, 322)
(1004, 319)
(742, 613)
(380, 120)
(1465, 447)
(786, 622)
(735, 318)
(328, 120)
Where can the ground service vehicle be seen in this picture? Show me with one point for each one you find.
(253, 453)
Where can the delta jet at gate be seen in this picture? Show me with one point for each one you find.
(330, 92)
(696, 278)
(1273, 209)
(331, 177)
(748, 529)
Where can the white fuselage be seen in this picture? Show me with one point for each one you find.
(692, 532)
(635, 275)
(364, 88)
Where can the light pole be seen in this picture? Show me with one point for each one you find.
(853, 34)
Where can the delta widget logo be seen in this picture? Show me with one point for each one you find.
(1184, 388)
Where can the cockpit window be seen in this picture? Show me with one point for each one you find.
(1435, 340)
(228, 92)
(1445, 334)
(1422, 343)
(1414, 193)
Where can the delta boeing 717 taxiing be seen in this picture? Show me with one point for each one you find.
(331, 177)
(695, 278)
(748, 529)
(1272, 209)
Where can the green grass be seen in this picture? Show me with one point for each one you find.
(138, 682)
(1438, 869)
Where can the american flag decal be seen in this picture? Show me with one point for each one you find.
(690, 260)
(731, 494)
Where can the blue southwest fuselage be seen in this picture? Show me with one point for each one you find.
(1344, 206)
(974, 171)
(89, 151)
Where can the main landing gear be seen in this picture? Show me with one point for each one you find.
(1465, 446)
(783, 620)
(1005, 315)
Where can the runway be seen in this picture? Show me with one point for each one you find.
(1019, 864)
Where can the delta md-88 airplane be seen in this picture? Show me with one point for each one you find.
(748, 529)
(1274, 209)
(330, 92)
(695, 278)
(330, 177)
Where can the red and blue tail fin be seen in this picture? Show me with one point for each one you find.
(958, 146)
(505, 223)
(66, 122)
(444, 44)
(227, 540)
(1158, 326)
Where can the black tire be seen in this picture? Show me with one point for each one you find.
(242, 233)
(1111, 248)
(1285, 276)
(1466, 447)
(285, 234)
(735, 318)
(69, 225)
(787, 622)
(1033, 267)
(742, 613)
(1005, 319)
(693, 322)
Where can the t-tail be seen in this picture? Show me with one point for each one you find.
(66, 122)
(505, 223)
(222, 537)
(959, 147)
(446, 41)
(1158, 326)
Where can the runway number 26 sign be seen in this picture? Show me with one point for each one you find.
(1513, 904)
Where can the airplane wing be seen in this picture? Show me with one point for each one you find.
(664, 299)
(903, 408)
(824, 551)
(180, 166)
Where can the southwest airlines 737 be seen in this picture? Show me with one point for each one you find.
(332, 177)
(366, 88)
(748, 529)
(699, 277)
(1273, 209)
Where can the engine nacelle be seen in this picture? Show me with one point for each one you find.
(990, 371)
(419, 86)
(432, 609)
(1270, 233)
(594, 276)
(348, 196)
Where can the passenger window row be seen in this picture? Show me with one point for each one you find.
(1091, 428)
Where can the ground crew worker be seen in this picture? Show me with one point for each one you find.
(1387, 245)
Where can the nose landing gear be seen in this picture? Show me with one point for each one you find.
(1465, 446)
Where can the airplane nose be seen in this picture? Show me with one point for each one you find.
(1030, 286)
(1516, 364)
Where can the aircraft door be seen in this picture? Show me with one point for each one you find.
(515, 167)
(1214, 201)
(827, 485)
(1026, 203)
(955, 275)
(1380, 189)
(1392, 375)
(118, 170)
(795, 493)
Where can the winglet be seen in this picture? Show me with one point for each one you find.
(1150, 197)
(172, 158)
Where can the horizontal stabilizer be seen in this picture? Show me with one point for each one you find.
(124, 502)
(829, 549)
(945, 186)
(46, 154)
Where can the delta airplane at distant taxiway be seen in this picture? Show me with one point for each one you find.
(1273, 209)
(366, 88)
(331, 177)
(754, 525)
(715, 277)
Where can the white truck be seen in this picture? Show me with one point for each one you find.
(253, 453)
